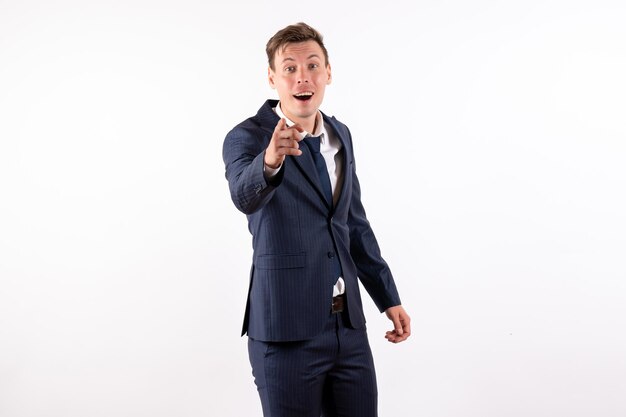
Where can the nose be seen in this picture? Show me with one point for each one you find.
(302, 77)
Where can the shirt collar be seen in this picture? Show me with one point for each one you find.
(319, 123)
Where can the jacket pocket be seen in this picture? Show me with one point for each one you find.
(287, 261)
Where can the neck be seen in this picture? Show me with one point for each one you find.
(309, 125)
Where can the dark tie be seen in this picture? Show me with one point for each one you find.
(313, 142)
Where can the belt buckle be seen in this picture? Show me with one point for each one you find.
(338, 302)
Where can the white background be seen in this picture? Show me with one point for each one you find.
(491, 146)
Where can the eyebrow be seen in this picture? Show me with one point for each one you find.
(309, 57)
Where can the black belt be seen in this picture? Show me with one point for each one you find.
(338, 303)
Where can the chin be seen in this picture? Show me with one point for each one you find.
(306, 114)
(302, 111)
(307, 107)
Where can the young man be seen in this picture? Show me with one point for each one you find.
(291, 169)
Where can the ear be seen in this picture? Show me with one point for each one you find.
(330, 77)
(270, 77)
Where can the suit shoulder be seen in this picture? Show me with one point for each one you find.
(249, 126)
(340, 127)
(250, 132)
(257, 126)
(334, 119)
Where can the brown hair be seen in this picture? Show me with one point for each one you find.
(300, 32)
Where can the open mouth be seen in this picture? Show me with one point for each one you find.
(305, 96)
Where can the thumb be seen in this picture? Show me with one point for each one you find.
(397, 324)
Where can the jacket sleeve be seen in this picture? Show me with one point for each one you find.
(243, 153)
(373, 271)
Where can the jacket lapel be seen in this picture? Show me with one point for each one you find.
(307, 166)
(346, 155)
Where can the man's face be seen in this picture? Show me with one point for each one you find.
(300, 78)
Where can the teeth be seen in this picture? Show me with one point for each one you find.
(305, 94)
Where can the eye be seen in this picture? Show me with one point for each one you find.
(313, 66)
(290, 69)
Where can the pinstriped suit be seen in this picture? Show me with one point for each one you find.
(295, 233)
(306, 361)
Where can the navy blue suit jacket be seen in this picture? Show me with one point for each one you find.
(295, 234)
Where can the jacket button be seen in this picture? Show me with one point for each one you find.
(331, 254)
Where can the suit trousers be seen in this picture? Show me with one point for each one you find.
(331, 375)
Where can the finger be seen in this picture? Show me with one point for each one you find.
(289, 151)
(288, 133)
(288, 143)
(396, 339)
(406, 326)
(403, 336)
(406, 322)
(288, 147)
(393, 337)
(280, 125)
(298, 127)
(294, 132)
(397, 324)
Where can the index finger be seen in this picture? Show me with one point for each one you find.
(280, 125)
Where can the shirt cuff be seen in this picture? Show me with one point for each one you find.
(270, 173)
